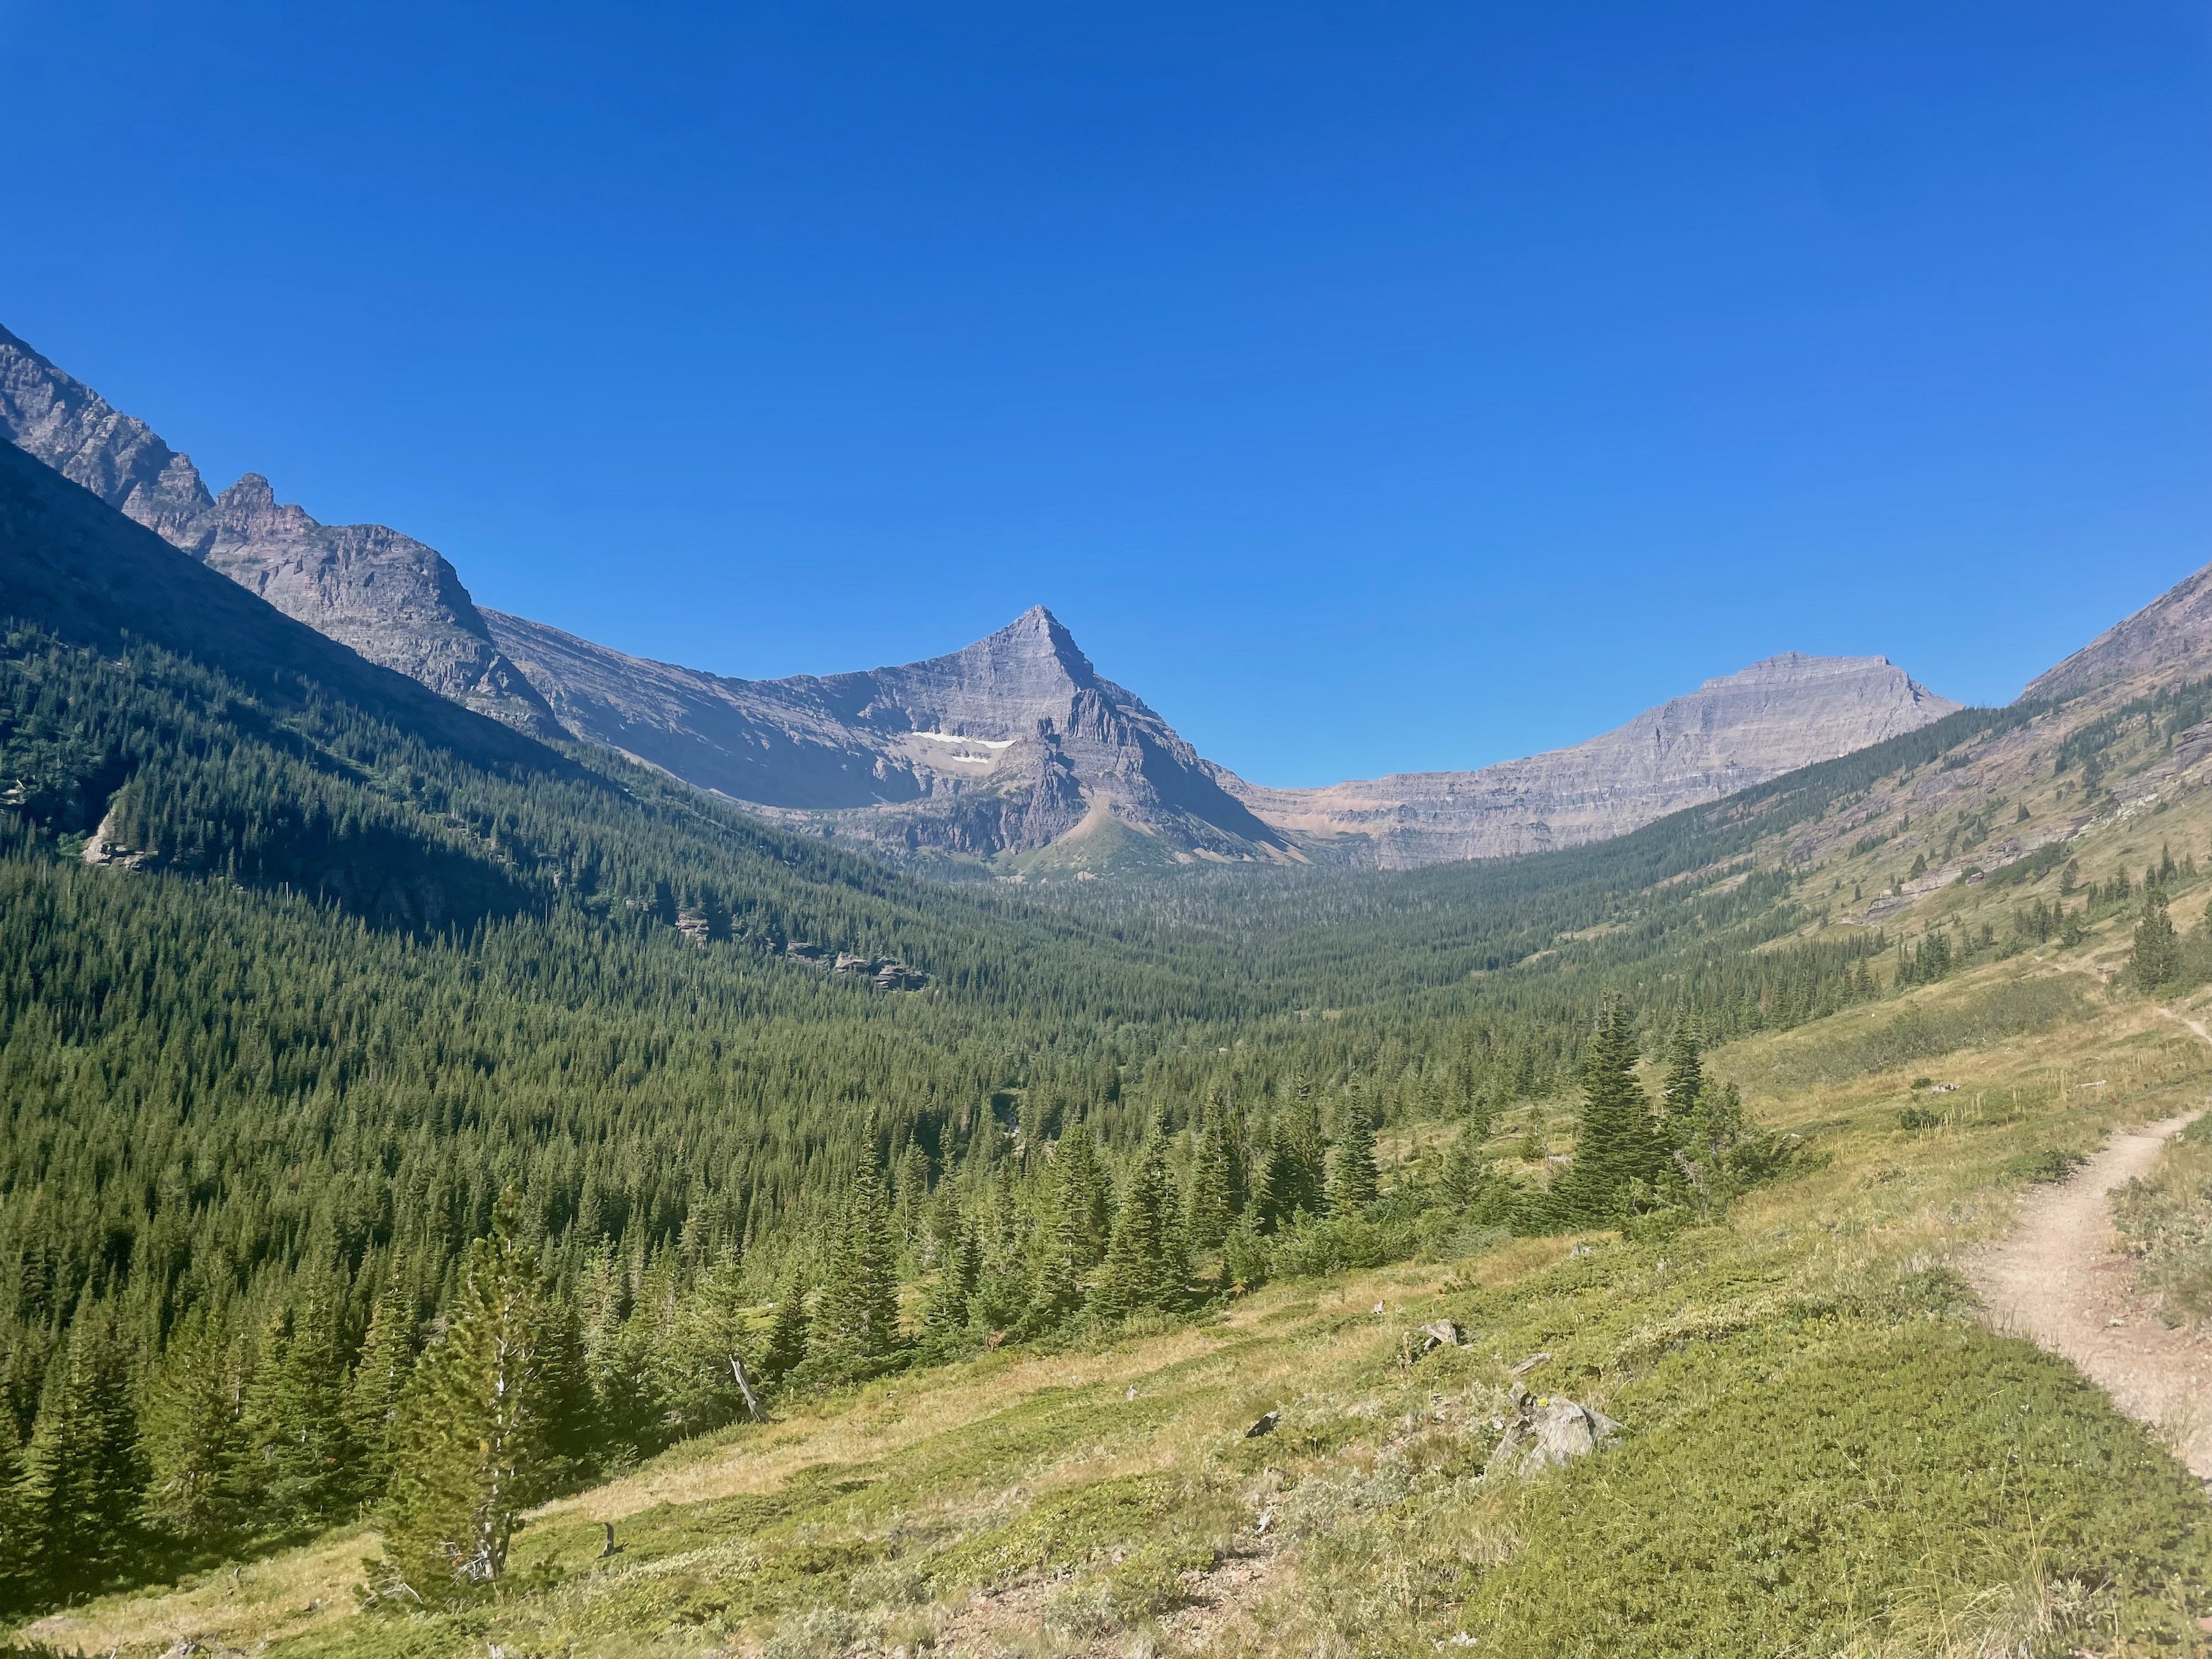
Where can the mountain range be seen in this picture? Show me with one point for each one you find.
(1015, 751)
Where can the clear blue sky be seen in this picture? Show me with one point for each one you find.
(1369, 386)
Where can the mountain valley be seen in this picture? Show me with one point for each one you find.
(1186, 1262)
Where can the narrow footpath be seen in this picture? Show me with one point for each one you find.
(2062, 1280)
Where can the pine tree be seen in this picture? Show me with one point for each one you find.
(1616, 1143)
(956, 1281)
(1353, 1181)
(372, 1393)
(295, 1418)
(2157, 960)
(1686, 1083)
(1211, 1210)
(860, 1306)
(1085, 1191)
(1144, 1267)
(568, 1409)
(81, 1476)
(468, 1445)
(24, 1558)
(788, 1331)
(1057, 1288)
(189, 1429)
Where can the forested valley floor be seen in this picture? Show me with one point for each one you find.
(418, 1160)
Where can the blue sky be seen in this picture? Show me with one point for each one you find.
(1370, 387)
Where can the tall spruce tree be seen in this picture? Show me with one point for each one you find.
(1086, 1192)
(1685, 1086)
(24, 1565)
(1616, 1143)
(1353, 1180)
(2157, 960)
(788, 1326)
(189, 1429)
(956, 1281)
(469, 1443)
(294, 1415)
(380, 1377)
(859, 1305)
(1211, 1210)
(1145, 1267)
(83, 1480)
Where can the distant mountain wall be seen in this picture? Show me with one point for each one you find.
(1734, 732)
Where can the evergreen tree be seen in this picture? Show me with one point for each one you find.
(788, 1331)
(1211, 1210)
(572, 1429)
(2157, 960)
(295, 1425)
(372, 1393)
(81, 1477)
(1686, 1084)
(24, 1558)
(1616, 1143)
(860, 1306)
(1057, 1289)
(468, 1442)
(956, 1281)
(1144, 1267)
(1353, 1181)
(1085, 1192)
(189, 1430)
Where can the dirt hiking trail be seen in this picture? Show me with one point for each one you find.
(2062, 1280)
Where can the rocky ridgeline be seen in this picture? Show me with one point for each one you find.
(386, 596)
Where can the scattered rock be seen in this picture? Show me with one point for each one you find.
(1547, 1432)
(1438, 1334)
(1265, 1425)
(1523, 1367)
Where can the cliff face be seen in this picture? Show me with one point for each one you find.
(1004, 747)
(387, 596)
(1741, 729)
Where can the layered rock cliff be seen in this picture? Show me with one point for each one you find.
(1734, 732)
(390, 597)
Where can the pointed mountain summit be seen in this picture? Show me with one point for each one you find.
(390, 597)
(1007, 747)
(1730, 734)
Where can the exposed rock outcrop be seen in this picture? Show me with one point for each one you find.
(386, 596)
(1734, 732)
(1547, 1432)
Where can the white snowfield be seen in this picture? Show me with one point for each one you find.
(978, 743)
